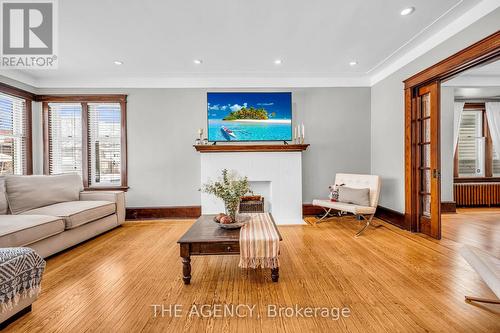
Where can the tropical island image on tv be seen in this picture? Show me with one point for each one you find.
(249, 116)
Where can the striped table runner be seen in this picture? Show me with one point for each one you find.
(259, 243)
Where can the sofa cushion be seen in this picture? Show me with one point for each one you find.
(344, 207)
(76, 213)
(22, 230)
(355, 196)
(28, 192)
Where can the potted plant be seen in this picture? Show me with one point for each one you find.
(230, 188)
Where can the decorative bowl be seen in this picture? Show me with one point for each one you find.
(241, 220)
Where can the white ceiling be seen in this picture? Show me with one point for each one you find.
(237, 40)
(482, 76)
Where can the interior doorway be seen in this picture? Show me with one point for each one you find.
(470, 159)
(422, 144)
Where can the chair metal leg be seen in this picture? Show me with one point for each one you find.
(481, 300)
(368, 221)
(327, 213)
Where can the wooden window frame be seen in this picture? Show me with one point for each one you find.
(84, 100)
(28, 98)
(488, 149)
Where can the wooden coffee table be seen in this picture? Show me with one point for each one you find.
(205, 237)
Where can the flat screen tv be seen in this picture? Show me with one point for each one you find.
(254, 116)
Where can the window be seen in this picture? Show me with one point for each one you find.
(104, 127)
(65, 133)
(476, 157)
(471, 144)
(87, 137)
(496, 163)
(15, 135)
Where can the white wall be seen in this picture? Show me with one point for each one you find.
(164, 168)
(387, 111)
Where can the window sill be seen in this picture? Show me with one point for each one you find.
(476, 180)
(107, 188)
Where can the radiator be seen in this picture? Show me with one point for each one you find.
(477, 194)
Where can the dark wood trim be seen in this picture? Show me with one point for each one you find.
(140, 213)
(85, 145)
(46, 140)
(144, 213)
(29, 137)
(82, 98)
(483, 51)
(448, 207)
(124, 158)
(310, 210)
(476, 180)
(250, 148)
(488, 148)
(474, 106)
(393, 217)
(191, 212)
(411, 170)
(107, 188)
(13, 91)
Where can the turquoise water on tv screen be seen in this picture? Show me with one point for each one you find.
(248, 131)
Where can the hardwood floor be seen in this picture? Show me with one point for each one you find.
(391, 280)
(479, 227)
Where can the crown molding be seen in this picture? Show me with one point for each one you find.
(474, 14)
(210, 82)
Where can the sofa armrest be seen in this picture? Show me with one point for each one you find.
(118, 197)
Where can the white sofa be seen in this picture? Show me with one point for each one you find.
(354, 181)
(53, 213)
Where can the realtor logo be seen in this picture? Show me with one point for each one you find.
(28, 34)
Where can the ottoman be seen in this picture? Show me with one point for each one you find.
(21, 271)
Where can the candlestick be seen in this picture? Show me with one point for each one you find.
(303, 133)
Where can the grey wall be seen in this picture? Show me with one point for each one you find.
(447, 151)
(164, 169)
(387, 111)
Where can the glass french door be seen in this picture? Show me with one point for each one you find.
(428, 162)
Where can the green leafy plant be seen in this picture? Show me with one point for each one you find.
(248, 113)
(230, 188)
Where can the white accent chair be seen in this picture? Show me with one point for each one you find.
(362, 212)
(488, 268)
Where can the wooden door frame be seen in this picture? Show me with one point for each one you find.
(484, 51)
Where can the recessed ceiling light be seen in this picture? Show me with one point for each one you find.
(353, 63)
(407, 11)
(118, 62)
(278, 62)
(198, 61)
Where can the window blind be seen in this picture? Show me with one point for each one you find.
(65, 138)
(496, 162)
(104, 135)
(471, 144)
(13, 133)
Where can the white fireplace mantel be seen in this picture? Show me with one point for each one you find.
(282, 170)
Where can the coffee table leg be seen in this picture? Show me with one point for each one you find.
(186, 269)
(275, 274)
